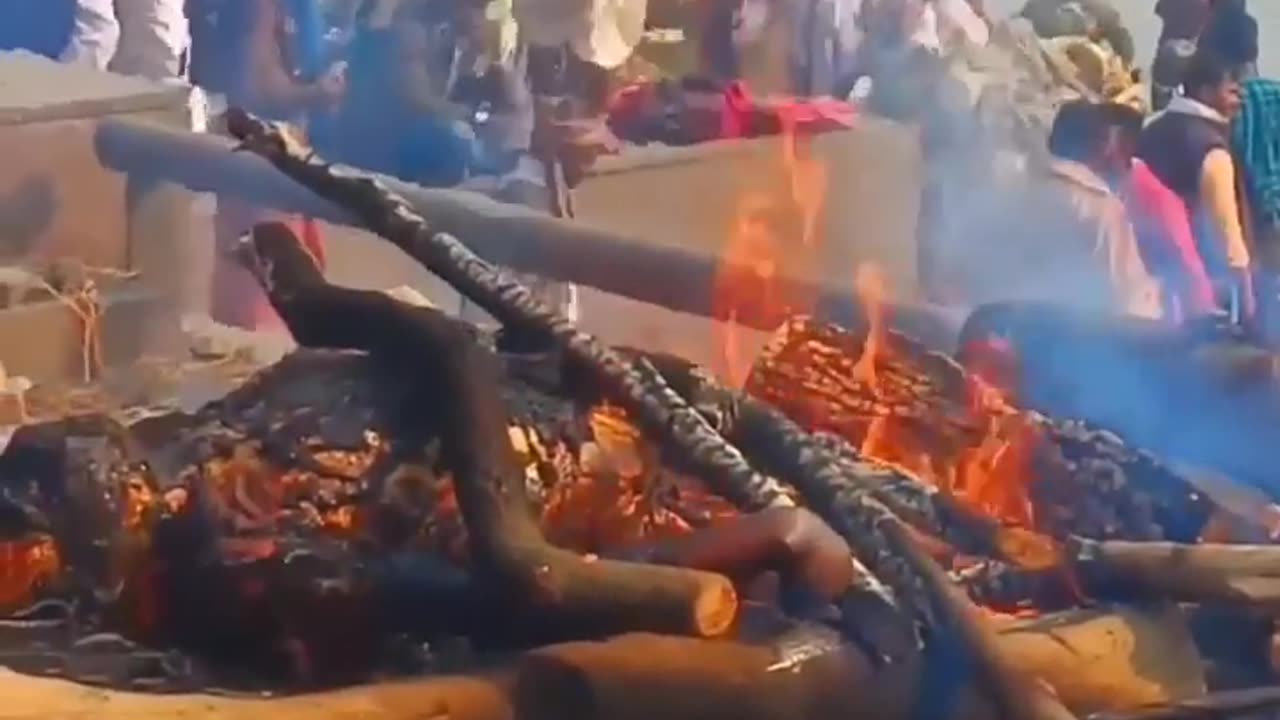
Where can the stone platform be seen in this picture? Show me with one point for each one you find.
(57, 202)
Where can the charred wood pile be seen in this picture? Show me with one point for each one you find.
(532, 524)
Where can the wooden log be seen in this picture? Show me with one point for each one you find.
(1242, 704)
(877, 536)
(1102, 659)
(457, 698)
(1076, 478)
(552, 592)
(672, 277)
(678, 679)
(659, 412)
(1095, 660)
(508, 235)
(1242, 575)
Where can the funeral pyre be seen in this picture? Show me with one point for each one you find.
(867, 529)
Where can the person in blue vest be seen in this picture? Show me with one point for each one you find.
(1188, 147)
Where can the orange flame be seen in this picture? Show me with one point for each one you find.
(774, 228)
(25, 566)
(870, 287)
(878, 395)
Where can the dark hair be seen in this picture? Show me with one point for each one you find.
(1206, 71)
(1126, 118)
(1076, 130)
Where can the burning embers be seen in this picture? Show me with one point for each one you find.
(324, 520)
(921, 413)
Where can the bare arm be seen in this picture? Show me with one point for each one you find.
(1218, 188)
(269, 83)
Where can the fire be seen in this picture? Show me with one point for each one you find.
(26, 565)
(772, 226)
(614, 498)
(870, 288)
(990, 472)
(868, 391)
(988, 468)
(992, 475)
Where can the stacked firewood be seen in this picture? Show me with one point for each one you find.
(405, 479)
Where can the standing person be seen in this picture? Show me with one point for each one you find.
(1096, 235)
(1159, 217)
(1094, 18)
(1256, 143)
(1182, 22)
(255, 68)
(1182, 19)
(1188, 147)
(134, 37)
(402, 116)
(1063, 237)
(1231, 35)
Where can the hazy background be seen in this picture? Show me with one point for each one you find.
(1140, 16)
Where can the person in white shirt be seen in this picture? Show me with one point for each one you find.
(132, 37)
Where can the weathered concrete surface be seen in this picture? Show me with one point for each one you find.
(691, 197)
(56, 201)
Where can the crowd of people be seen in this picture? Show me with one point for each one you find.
(1184, 199)
(1173, 215)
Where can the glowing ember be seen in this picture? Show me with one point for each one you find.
(617, 494)
(867, 391)
(26, 565)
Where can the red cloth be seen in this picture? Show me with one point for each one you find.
(694, 112)
(1165, 240)
(747, 115)
(238, 300)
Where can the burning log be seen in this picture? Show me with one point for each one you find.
(797, 677)
(913, 576)
(655, 408)
(459, 397)
(1197, 394)
(923, 413)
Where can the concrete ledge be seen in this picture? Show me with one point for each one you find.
(43, 341)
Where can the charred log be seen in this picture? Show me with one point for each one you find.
(457, 398)
(833, 488)
(660, 412)
(1083, 481)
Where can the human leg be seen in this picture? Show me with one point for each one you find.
(155, 38)
(95, 34)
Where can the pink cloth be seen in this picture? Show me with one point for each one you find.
(1165, 240)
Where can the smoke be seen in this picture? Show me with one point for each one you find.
(1204, 399)
(995, 233)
